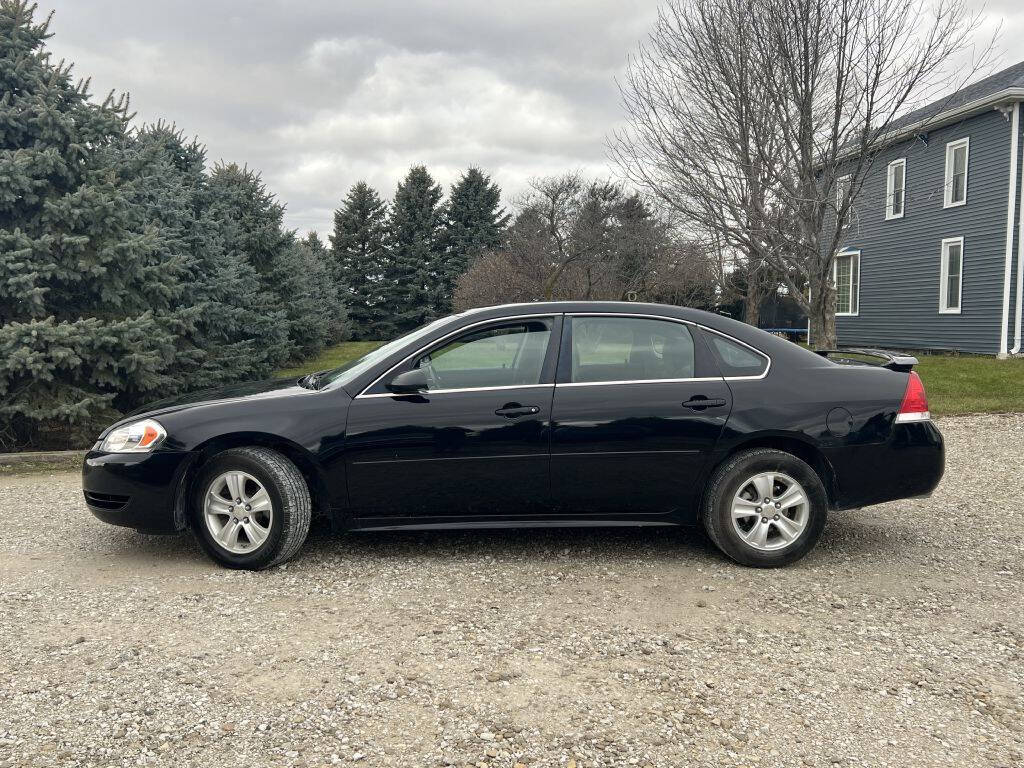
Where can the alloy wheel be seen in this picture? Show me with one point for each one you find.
(238, 512)
(770, 511)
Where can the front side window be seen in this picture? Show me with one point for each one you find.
(499, 356)
(957, 155)
(951, 275)
(350, 371)
(611, 349)
(895, 192)
(846, 274)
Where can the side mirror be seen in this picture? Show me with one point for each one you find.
(409, 383)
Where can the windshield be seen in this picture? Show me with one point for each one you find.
(348, 372)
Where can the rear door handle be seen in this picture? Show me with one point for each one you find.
(514, 410)
(699, 403)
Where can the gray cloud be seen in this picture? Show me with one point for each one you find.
(321, 93)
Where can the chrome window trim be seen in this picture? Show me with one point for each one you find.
(407, 358)
(636, 381)
(552, 315)
(452, 391)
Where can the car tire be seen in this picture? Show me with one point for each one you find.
(762, 535)
(270, 535)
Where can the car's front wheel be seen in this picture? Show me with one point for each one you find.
(765, 508)
(251, 509)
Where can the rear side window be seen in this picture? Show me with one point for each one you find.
(736, 359)
(630, 349)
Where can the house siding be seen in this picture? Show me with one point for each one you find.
(1018, 234)
(900, 258)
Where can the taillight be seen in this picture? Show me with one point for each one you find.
(915, 402)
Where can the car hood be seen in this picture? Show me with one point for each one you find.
(250, 390)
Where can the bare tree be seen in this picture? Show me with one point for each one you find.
(694, 123)
(744, 115)
(573, 239)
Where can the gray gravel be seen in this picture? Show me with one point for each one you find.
(898, 642)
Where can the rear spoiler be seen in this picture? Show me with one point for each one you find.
(894, 361)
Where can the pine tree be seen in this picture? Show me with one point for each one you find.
(359, 258)
(327, 295)
(641, 238)
(474, 222)
(410, 293)
(251, 225)
(81, 277)
(220, 337)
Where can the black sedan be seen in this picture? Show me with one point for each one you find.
(532, 415)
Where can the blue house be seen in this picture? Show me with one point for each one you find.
(933, 258)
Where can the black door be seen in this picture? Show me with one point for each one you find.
(638, 407)
(474, 443)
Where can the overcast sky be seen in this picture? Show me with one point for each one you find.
(318, 94)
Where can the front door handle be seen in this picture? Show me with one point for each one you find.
(700, 402)
(515, 410)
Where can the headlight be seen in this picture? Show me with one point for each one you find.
(137, 437)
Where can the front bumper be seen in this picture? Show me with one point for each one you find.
(136, 490)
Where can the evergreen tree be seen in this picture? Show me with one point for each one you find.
(409, 290)
(474, 222)
(642, 240)
(220, 337)
(359, 258)
(81, 278)
(251, 225)
(315, 244)
(327, 295)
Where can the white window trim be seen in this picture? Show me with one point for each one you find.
(890, 189)
(835, 270)
(839, 191)
(944, 276)
(947, 195)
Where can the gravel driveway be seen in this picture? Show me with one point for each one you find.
(899, 642)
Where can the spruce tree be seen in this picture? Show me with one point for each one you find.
(220, 336)
(359, 259)
(415, 269)
(641, 237)
(474, 222)
(251, 226)
(327, 295)
(81, 277)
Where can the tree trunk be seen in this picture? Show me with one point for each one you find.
(823, 316)
(752, 303)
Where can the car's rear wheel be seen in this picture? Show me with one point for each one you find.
(251, 508)
(765, 508)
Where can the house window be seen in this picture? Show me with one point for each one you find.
(895, 188)
(951, 277)
(846, 275)
(957, 153)
(842, 191)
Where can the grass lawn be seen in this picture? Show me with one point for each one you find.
(965, 384)
(332, 357)
(955, 384)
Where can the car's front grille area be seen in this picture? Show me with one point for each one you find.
(109, 501)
